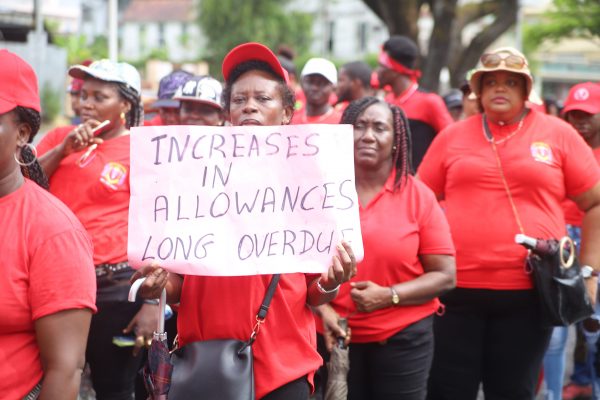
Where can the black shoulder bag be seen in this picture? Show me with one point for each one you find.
(218, 369)
(556, 272)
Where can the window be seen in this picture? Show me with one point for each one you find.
(330, 36)
(362, 37)
(161, 34)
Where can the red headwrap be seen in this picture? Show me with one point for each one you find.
(389, 62)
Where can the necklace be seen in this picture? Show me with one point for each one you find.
(488, 134)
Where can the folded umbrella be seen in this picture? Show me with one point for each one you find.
(158, 370)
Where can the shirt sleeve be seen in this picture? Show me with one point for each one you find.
(52, 139)
(61, 274)
(434, 230)
(580, 168)
(432, 170)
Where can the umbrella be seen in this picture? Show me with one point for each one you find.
(158, 370)
(337, 368)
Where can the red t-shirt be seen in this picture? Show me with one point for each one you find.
(396, 228)
(98, 193)
(546, 161)
(573, 215)
(46, 268)
(333, 116)
(226, 308)
(427, 115)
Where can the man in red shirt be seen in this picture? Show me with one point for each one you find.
(318, 80)
(426, 112)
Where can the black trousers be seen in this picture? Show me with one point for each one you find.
(493, 337)
(294, 390)
(113, 369)
(395, 369)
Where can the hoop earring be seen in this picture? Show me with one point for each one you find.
(33, 151)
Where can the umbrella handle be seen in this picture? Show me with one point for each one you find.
(162, 303)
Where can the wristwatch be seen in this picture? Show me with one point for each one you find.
(395, 297)
(588, 272)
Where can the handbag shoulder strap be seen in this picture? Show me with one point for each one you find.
(490, 138)
(264, 308)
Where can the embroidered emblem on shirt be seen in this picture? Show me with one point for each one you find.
(541, 152)
(113, 175)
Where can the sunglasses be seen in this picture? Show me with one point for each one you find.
(492, 60)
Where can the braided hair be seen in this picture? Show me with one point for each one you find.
(135, 116)
(401, 150)
(34, 170)
(288, 98)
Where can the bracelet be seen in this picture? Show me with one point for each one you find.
(325, 291)
(154, 302)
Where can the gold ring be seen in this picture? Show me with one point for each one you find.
(148, 342)
(139, 341)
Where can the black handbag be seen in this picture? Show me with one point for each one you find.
(218, 369)
(556, 273)
(559, 283)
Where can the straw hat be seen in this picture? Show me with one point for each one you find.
(503, 53)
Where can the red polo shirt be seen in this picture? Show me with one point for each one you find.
(397, 226)
(97, 193)
(543, 163)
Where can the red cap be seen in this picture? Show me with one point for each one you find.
(252, 51)
(585, 97)
(18, 83)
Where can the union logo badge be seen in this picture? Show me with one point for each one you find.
(541, 152)
(113, 175)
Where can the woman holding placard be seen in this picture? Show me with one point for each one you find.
(285, 356)
(88, 168)
(408, 263)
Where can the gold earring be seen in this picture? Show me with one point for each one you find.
(122, 118)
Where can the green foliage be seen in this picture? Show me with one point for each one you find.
(78, 49)
(227, 23)
(567, 18)
(50, 100)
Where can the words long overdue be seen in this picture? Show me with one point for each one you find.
(229, 201)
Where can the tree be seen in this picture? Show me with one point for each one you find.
(227, 23)
(567, 18)
(446, 46)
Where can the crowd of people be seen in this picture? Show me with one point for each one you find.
(441, 306)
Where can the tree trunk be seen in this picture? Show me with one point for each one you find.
(444, 14)
(400, 17)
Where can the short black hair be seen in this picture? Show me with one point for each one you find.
(288, 65)
(288, 97)
(402, 49)
(359, 70)
(402, 149)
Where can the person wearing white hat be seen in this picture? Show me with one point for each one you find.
(503, 172)
(318, 81)
(88, 168)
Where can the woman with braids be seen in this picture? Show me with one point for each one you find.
(47, 285)
(409, 262)
(89, 172)
(285, 355)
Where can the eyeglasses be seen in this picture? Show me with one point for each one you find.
(492, 60)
